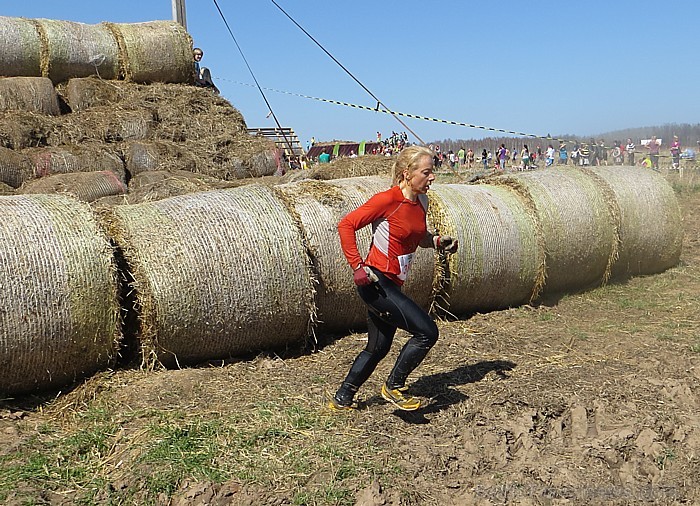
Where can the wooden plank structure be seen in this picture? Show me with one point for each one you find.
(278, 136)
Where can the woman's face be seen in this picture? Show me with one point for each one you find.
(422, 176)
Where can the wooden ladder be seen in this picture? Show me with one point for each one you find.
(277, 135)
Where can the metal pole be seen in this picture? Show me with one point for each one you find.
(179, 12)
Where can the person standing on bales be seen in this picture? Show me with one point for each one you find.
(398, 219)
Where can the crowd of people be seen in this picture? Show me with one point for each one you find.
(591, 153)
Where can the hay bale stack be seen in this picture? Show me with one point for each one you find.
(59, 319)
(160, 184)
(216, 274)
(33, 94)
(155, 51)
(103, 124)
(85, 186)
(15, 167)
(77, 50)
(500, 261)
(6, 189)
(20, 130)
(651, 233)
(578, 224)
(144, 156)
(74, 158)
(227, 158)
(320, 205)
(85, 92)
(20, 47)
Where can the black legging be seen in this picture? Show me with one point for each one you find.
(389, 309)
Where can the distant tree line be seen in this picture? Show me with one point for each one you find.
(688, 135)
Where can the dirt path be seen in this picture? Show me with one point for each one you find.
(591, 400)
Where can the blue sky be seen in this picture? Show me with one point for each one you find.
(537, 67)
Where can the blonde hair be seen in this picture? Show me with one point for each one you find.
(408, 160)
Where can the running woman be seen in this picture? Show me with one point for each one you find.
(398, 219)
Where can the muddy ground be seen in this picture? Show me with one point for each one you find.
(589, 399)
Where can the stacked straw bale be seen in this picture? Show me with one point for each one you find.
(500, 261)
(59, 316)
(77, 50)
(74, 158)
(15, 167)
(20, 47)
(320, 205)
(156, 51)
(102, 124)
(215, 274)
(21, 129)
(144, 156)
(85, 186)
(32, 94)
(578, 225)
(86, 92)
(651, 233)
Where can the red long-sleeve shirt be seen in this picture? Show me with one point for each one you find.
(398, 226)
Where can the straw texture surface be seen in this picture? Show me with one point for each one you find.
(59, 310)
(217, 273)
(320, 206)
(34, 94)
(500, 259)
(85, 186)
(155, 51)
(75, 158)
(651, 232)
(78, 50)
(580, 234)
(15, 167)
(20, 47)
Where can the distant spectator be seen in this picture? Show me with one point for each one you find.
(502, 153)
(563, 154)
(653, 147)
(550, 156)
(630, 148)
(524, 158)
(675, 153)
(485, 159)
(324, 157)
(202, 75)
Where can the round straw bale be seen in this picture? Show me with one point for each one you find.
(104, 124)
(78, 50)
(651, 233)
(75, 158)
(216, 273)
(146, 155)
(84, 92)
(60, 316)
(155, 51)
(20, 130)
(34, 94)
(15, 167)
(85, 186)
(500, 261)
(20, 47)
(320, 205)
(579, 229)
(368, 165)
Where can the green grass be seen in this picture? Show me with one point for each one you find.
(272, 446)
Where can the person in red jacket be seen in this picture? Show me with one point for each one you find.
(398, 219)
